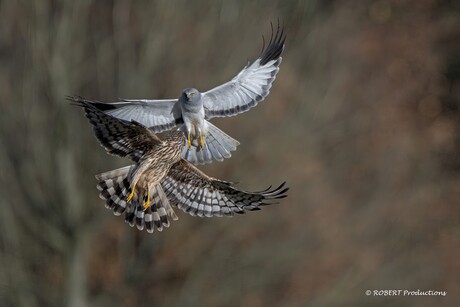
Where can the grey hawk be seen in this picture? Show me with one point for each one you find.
(193, 109)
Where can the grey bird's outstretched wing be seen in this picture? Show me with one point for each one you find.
(250, 86)
(195, 193)
(119, 137)
(159, 115)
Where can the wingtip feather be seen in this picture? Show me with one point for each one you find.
(276, 45)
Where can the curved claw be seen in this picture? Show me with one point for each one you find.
(201, 141)
(130, 196)
(147, 203)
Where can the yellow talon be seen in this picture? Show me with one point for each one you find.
(147, 203)
(132, 193)
(201, 141)
(189, 143)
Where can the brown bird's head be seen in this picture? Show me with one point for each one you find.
(175, 136)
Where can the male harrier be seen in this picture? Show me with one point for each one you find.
(161, 178)
(193, 109)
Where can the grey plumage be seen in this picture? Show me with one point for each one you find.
(160, 178)
(193, 109)
(218, 145)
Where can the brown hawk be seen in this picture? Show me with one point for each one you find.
(161, 178)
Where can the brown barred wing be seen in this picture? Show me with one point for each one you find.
(118, 137)
(195, 193)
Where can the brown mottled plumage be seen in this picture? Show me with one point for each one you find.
(160, 177)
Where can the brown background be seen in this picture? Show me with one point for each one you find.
(362, 121)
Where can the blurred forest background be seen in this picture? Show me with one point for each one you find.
(362, 121)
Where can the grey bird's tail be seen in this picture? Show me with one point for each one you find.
(218, 146)
(115, 189)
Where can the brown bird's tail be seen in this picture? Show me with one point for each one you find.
(156, 215)
(115, 189)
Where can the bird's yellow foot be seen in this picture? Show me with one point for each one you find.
(130, 196)
(201, 141)
(147, 203)
(189, 142)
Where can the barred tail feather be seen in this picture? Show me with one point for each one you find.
(134, 214)
(163, 202)
(124, 171)
(159, 210)
(115, 188)
(155, 216)
(129, 214)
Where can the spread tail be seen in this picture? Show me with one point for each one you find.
(218, 146)
(156, 215)
(115, 189)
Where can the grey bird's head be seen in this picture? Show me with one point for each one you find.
(191, 98)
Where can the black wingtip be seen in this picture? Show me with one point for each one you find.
(83, 102)
(276, 45)
(77, 100)
(86, 104)
(279, 192)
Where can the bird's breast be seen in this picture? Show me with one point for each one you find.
(194, 123)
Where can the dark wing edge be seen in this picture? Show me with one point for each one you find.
(251, 85)
(275, 47)
(118, 137)
(195, 193)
